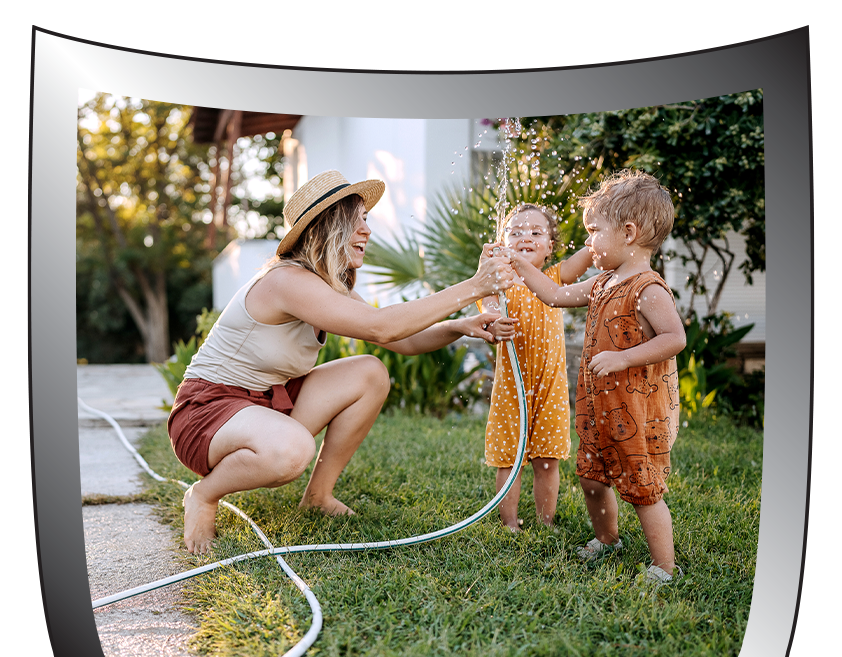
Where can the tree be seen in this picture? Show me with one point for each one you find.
(142, 195)
(256, 209)
(709, 153)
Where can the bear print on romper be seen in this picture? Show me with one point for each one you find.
(638, 381)
(637, 420)
(672, 387)
(624, 331)
(621, 425)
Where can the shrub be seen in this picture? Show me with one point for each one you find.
(173, 369)
(706, 378)
(435, 382)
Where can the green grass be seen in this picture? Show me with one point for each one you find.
(483, 591)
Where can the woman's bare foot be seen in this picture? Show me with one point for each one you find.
(329, 506)
(199, 522)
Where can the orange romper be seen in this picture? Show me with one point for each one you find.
(539, 345)
(627, 421)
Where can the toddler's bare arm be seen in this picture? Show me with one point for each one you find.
(573, 267)
(559, 296)
(489, 305)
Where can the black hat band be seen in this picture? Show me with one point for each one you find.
(322, 198)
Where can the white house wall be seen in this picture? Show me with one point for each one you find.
(235, 266)
(416, 158)
(746, 302)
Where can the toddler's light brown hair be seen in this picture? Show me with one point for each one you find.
(638, 197)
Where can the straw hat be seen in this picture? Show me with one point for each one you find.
(319, 193)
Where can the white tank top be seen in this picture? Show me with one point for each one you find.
(240, 351)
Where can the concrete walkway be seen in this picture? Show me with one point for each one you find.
(125, 545)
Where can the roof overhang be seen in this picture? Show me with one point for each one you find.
(210, 124)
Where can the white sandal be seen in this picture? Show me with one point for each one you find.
(660, 576)
(596, 549)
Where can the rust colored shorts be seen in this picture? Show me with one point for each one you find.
(201, 408)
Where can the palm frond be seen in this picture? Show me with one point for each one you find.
(400, 265)
(460, 220)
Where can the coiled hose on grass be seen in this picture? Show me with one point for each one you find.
(310, 637)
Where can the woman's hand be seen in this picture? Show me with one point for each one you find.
(494, 273)
(491, 327)
(488, 250)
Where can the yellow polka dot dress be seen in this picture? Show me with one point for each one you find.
(539, 345)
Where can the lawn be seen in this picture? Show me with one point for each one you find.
(483, 591)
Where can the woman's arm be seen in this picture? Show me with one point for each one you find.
(287, 293)
(443, 333)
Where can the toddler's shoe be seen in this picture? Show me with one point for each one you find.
(660, 576)
(596, 549)
(657, 577)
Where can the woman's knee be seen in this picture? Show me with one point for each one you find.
(375, 370)
(373, 374)
(289, 453)
(301, 450)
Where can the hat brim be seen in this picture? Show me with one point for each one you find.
(370, 191)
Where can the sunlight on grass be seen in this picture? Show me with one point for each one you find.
(483, 591)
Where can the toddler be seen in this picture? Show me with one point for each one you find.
(537, 332)
(627, 390)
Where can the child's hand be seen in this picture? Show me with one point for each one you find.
(517, 259)
(503, 329)
(488, 250)
(606, 362)
(478, 326)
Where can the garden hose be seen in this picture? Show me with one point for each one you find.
(310, 637)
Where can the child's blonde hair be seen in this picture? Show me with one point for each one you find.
(638, 197)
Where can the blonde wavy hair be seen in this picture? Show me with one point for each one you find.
(638, 197)
(324, 247)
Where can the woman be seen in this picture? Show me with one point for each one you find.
(246, 414)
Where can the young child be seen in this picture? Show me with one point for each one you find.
(538, 335)
(627, 390)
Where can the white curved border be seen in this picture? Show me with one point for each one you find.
(779, 65)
